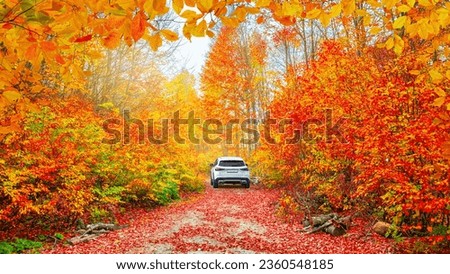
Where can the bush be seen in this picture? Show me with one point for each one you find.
(140, 192)
(167, 192)
(386, 153)
(101, 215)
(6, 248)
(19, 246)
(56, 170)
(59, 236)
(191, 184)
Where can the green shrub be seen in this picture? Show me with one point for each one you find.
(59, 236)
(6, 248)
(109, 194)
(140, 192)
(100, 215)
(18, 246)
(167, 192)
(24, 244)
(440, 230)
(395, 233)
(191, 184)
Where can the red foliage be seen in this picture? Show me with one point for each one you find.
(387, 159)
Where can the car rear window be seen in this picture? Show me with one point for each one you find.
(229, 163)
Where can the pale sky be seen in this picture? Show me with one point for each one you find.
(194, 53)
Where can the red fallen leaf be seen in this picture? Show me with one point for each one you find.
(83, 39)
(224, 220)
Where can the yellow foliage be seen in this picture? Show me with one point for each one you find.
(399, 22)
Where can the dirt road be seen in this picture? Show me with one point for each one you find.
(225, 220)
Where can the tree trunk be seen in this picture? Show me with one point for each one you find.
(329, 223)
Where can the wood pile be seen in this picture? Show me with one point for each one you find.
(92, 231)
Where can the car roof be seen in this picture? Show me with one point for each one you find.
(229, 158)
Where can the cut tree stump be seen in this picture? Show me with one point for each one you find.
(338, 228)
(92, 231)
(329, 223)
(335, 230)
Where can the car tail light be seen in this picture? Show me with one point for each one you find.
(219, 169)
(244, 168)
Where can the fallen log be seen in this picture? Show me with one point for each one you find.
(101, 226)
(81, 239)
(92, 231)
(335, 230)
(335, 225)
(319, 220)
(338, 228)
(345, 222)
(323, 226)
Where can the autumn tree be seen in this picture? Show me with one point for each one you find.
(234, 81)
(58, 31)
(125, 77)
(373, 161)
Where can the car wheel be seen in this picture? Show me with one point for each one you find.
(247, 185)
(211, 181)
(215, 183)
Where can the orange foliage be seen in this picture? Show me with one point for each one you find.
(385, 153)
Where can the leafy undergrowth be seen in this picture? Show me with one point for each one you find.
(224, 220)
(425, 245)
(19, 246)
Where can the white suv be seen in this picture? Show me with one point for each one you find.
(230, 170)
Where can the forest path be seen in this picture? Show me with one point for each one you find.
(230, 219)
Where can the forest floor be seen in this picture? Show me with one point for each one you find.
(230, 219)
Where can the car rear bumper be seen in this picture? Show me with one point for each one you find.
(233, 180)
